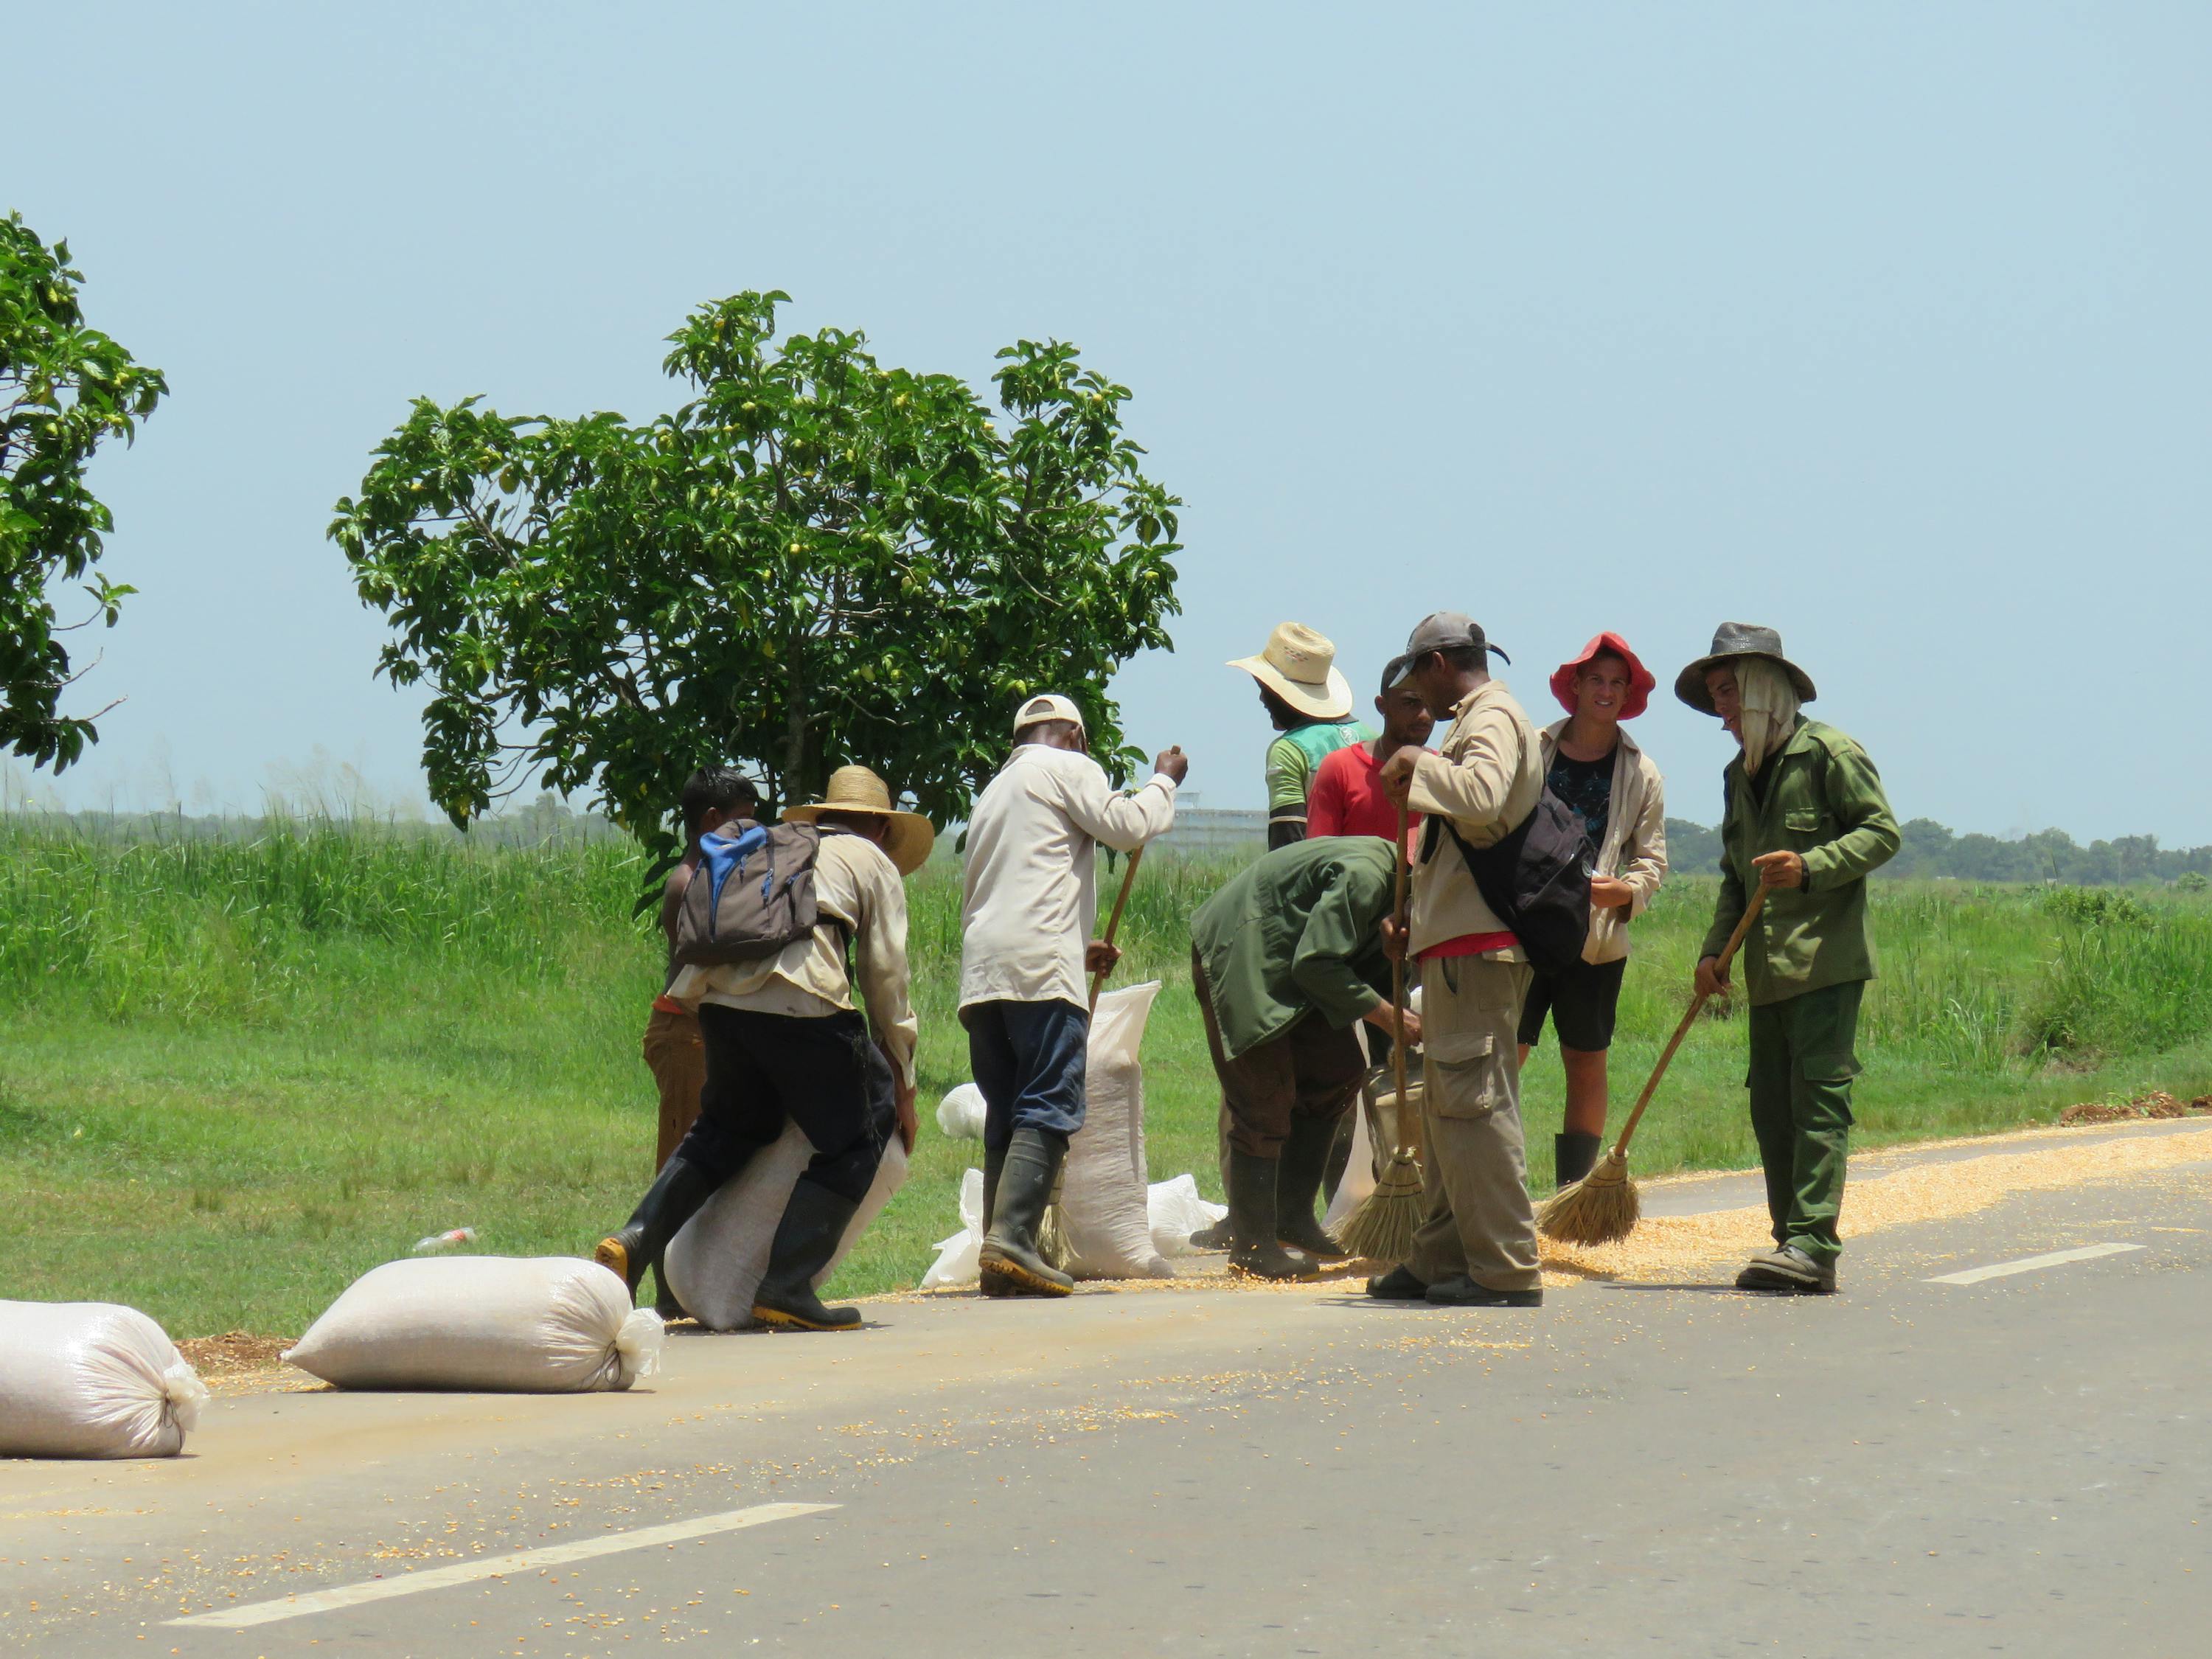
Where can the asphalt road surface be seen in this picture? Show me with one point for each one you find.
(2021, 1464)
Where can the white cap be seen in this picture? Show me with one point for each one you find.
(1048, 706)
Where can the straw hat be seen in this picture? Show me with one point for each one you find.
(1300, 666)
(856, 789)
(1730, 640)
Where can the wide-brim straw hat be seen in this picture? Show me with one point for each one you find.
(1640, 678)
(856, 789)
(1730, 640)
(1300, 666)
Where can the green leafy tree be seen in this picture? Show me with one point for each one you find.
(817, 560)
(65, 389)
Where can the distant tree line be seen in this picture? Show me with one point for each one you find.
(1933, 851)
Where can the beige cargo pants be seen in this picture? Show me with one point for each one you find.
(1474, 1176)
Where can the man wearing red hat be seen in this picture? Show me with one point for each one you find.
(1600, 772)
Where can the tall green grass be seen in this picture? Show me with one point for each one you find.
(237, 1070)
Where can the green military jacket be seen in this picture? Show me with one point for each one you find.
(1297, 931)
(1824, 802)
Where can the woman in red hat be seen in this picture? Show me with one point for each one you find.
(1612, 786)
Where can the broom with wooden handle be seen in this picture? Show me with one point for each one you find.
(1382, 1229)
(1603, 1205)
(1052, 1231)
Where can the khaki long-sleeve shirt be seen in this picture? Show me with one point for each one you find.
(1487, 775)
(1635, 849)
(1031, 894)
(855, 883)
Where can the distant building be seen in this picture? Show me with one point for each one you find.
(1204, 832)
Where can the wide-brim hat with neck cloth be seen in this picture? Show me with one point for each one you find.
(1731, 641)
(1640, 678)
(1300, 666)
(1440, 630)
(856, 789)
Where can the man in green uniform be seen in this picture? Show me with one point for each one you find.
(1309, 701)
(1285, 959)
(1806, 818)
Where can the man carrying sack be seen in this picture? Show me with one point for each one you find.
(1309, 703)
(1031, 900)
(1805, 817)
(1285, 959)
(784, 1042)
(1477, 1247)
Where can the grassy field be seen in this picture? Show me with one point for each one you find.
(235, 1073)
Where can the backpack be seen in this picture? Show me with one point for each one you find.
(750, 895)
(1536, 877)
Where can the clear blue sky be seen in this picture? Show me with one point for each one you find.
(1885, 324)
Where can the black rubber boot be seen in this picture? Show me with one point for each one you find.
(1574, 1155)
(813, 1224)
(994, 1163)
(673, 1199)
(1219, 1236)
(1258, 1253)
(1298, 1179)
(1026, 1177)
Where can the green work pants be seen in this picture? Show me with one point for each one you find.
(1802, 1062)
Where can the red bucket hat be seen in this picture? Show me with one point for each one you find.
(1640, 681)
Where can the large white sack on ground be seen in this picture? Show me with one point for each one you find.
(715, 1264)
(960, 1114)
(1175, 1210)
(1101, 1194)
(91, 1379)
(548, 1324)
(959, 1258)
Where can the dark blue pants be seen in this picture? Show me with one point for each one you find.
(825, 1075)
(1027, 1058)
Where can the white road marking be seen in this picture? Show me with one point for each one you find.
(497, 1566)
(2028, 1264)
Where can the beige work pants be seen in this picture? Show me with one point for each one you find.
(1474, 1176)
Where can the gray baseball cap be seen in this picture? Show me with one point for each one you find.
(1440, 630)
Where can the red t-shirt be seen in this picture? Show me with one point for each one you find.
(1347, 799)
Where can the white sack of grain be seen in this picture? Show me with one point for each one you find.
(551, 1324)
(91, 1379)
(1103, 1203)
(1174, 1209)
(715, 1264)
(960, 1114)
(959, 1258)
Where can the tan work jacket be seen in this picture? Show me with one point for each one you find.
(1635, 849)
(1487, 775)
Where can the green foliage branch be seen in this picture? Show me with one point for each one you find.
(65, 389)
(817, 560)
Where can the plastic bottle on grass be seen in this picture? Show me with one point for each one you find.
(450, 1240)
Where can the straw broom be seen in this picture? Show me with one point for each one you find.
(1603, 1205)
(1052, 1232)
(1382, 1229)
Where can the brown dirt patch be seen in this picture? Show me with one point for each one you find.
(2156, 1104)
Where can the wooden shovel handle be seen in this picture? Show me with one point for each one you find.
(1114, 921)
(1689, 1018)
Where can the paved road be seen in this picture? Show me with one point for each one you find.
(2019, 1466)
